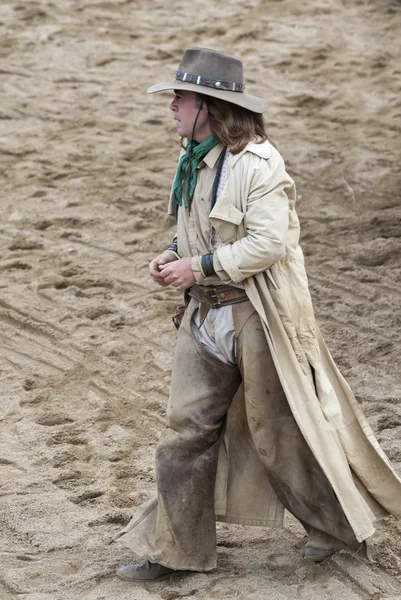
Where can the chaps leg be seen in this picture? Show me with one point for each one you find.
(202, 390)
(293, 471)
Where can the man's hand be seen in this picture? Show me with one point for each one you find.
(154, 267)
(178, 274)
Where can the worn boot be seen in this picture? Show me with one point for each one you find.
(145, 571)
(318, 555)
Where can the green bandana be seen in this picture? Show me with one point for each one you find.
(197, 152)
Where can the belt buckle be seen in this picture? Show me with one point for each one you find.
(213, 298)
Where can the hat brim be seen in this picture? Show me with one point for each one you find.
(252, 103)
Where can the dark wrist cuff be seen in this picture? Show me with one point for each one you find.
(207, 265)
(173, 246)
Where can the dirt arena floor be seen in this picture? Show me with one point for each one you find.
(86, 339)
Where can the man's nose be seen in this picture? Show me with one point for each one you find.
(173, 105)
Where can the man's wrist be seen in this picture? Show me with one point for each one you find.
(173, 246)
(207, 265)
(173, 249)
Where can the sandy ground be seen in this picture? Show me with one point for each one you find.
(86, 339)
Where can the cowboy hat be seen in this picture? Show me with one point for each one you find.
(214, 74)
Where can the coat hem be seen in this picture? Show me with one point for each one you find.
(249, 522)
(168, 564)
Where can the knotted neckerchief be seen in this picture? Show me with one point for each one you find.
(187, 170)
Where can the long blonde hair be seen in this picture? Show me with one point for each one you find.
(233, 125)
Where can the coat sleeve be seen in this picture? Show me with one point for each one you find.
(266, 224)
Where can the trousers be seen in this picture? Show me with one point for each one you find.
(202, 390)
(179, 529)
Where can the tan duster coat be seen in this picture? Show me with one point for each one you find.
(256, 219)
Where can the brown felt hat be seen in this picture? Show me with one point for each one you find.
(214, 74)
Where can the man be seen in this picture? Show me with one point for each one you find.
(259, 418)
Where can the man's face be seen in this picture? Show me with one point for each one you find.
(185, 107)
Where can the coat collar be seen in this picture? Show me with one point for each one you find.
(263, 150)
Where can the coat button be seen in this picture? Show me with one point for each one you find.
(222, 296)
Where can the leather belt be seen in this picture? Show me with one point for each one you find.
(216, 296)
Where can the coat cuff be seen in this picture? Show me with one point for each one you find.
(196, 266)
(227, 263)
(220, 272)
(172, 253)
